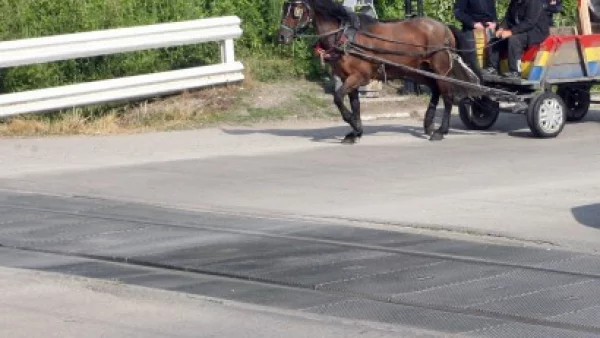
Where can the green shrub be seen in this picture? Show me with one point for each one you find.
(260, 21)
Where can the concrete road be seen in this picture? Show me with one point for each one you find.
(35, 304)
(393, 282)
(501, 183)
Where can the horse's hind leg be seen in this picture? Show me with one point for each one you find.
(350, 88)
(438, 135)
(428, 125)
(356, 121)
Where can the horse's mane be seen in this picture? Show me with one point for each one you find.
(391, 20)
(338, 11)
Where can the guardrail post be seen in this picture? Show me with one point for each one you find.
(227, 51)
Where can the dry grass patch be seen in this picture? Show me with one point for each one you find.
(190, 109)
(248, 103)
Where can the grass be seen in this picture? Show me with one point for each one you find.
(245, 104)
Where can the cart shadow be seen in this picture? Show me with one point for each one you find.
(521, 134)
(588, 215)
(592, 116)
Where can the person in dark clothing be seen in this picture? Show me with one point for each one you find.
(525, 24)
(475, 14)
(552, 7)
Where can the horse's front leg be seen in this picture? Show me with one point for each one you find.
(350, 88)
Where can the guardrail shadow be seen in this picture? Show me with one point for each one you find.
(588, 215)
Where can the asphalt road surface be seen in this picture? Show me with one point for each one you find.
(484, 234)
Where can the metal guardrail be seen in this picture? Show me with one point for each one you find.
(121, 40)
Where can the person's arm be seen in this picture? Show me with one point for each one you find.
(491, 12)
(461, 15)
(533, 12)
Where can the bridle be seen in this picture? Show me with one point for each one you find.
(299, 12)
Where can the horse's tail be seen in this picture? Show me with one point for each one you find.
(465, 51)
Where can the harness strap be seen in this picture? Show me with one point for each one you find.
(320, 36)
(483, 90)
(450, 62)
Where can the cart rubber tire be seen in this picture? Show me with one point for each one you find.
(481, 116)
(546, 115)
(577, 100)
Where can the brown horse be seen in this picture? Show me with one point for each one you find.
(357, 45)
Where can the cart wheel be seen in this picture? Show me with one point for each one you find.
(546, 115)
(576, 99)
(479, 114)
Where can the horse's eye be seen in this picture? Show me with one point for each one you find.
(298, 11)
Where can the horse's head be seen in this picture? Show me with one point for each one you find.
(296, 17)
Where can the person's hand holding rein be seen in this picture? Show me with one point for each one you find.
(503, 33)
(506, 34)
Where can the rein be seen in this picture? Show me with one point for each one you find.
(387, 51)
(371, 35)
(381, 38)
(318, 36)
(380, 50)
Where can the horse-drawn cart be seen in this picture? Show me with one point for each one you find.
(360, 49)
(555, 83)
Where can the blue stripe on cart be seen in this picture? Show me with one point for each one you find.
(536, 73)
(594, 68)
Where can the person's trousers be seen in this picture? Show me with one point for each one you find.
(516, 44)
(469, 49)
(469, 39)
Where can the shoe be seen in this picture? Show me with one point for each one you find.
(490, 71)
(512, 75)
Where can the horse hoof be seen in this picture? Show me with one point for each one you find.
(437, 136)
(350, 139)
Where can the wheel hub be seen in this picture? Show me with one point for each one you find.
(576, 100)
(573, 99)
(551, 115)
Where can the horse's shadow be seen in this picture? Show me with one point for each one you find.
(336, 134)
(329, 134)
